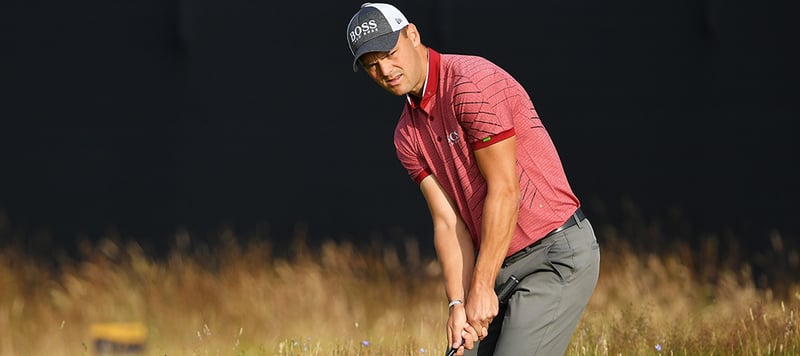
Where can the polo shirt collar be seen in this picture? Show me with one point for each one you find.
(431, 82)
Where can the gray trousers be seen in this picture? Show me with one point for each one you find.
(560, 275)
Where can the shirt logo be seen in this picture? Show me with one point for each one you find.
(453, 137)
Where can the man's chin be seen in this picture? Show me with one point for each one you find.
(396, 91)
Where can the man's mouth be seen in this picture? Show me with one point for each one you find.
(395, 80)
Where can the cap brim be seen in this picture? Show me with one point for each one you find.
(383, 43)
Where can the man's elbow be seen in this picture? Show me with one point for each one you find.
(444, 225)
(509, 192)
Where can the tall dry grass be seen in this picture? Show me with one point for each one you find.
(237, 297)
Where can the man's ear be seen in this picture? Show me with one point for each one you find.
(413, 34)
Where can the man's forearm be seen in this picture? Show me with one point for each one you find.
(499, 222)
(452, 239)
(455, 251)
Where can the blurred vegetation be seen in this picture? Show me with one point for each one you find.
(661, 290)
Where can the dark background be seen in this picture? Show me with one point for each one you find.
(141, 118)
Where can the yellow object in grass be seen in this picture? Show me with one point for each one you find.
(118, 337)
(125, 333)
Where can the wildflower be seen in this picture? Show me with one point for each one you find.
(658, 347)
(422, 350)
(365, 343)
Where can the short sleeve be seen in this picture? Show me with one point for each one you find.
(484, 104)
(408, 153)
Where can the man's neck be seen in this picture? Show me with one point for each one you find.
(417, 97)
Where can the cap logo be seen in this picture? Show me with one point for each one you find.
(363, 29)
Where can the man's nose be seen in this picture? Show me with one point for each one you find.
(385, 67)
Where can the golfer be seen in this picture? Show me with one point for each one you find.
(495, 187)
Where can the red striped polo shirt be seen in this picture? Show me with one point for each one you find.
(469, 103)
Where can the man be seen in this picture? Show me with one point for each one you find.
(495, 187)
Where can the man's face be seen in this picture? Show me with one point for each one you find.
(401, 70)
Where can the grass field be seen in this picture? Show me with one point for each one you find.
(238, 297)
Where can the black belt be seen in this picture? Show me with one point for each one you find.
(572, 221)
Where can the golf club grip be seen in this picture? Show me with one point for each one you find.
(506, 289)
(503, 293)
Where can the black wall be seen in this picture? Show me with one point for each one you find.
(148, 116)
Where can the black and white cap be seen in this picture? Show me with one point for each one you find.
(374, 28)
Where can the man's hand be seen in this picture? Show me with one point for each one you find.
(460, 334)
(481, 308)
